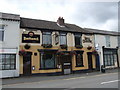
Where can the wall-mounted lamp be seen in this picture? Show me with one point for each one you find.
(33, 67)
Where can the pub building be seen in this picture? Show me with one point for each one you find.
(52, 48)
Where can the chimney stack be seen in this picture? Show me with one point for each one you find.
(60, 21)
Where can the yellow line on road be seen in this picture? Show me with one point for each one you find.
(59, 79)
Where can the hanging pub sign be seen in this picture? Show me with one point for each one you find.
(30, 38)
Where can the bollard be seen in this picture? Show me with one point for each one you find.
(102, 69)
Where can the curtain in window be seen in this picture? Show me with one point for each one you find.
(62, 40)
(47, 39)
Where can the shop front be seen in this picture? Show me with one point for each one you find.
(46, 62)
(9, 63)
(110, 56)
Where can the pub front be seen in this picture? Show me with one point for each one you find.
(54, 48)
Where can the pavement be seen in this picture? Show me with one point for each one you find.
(37, 78)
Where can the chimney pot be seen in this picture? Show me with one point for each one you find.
(60, 21)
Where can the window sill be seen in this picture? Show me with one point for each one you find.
(7, 69)
(80, 66)
(47, 68)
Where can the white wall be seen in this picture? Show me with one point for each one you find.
(11, 34)
(11, 41)
(101, 40)
(113, 41)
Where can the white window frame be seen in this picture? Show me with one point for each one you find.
(2, 30)
(107, 37)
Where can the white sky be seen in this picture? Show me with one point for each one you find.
(97, 15)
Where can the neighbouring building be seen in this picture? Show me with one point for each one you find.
(9, 45)
(54, 47)
(106, 43)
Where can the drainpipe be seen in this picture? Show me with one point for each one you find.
(103, 56)
(118, 56)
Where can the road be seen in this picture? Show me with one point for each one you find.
(107, 80)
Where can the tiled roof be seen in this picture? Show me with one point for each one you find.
(104, 32)
(7, 16)
(49, 25)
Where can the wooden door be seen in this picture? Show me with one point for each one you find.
(66, 64)
(27, 64)
(90, 65)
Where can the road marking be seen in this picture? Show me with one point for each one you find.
(56, 80)
(110, 81)
(74, 78)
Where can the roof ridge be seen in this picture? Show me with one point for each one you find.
(100, 30)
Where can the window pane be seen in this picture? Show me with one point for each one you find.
(3, 67)
(48, 60)
(63, 40)
(79, 59)
(7, 59)
(12, 66)
(108, 41)
(7, 67)
(3, 59)
(47, 39)
(106, 60)
(77, 40)
(12, 59)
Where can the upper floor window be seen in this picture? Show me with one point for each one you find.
(1, 32)
(78, 40)
(47, 39)
(107, 41)
(63, 38)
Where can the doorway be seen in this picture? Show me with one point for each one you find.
(90, 64)
(66, 64)
(27, 64)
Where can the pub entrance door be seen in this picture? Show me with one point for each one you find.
(66, 64)
(27, 64)
(90, 65)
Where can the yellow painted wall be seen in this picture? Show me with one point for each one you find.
(70, 43)
(85, 60)
(36, 60)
